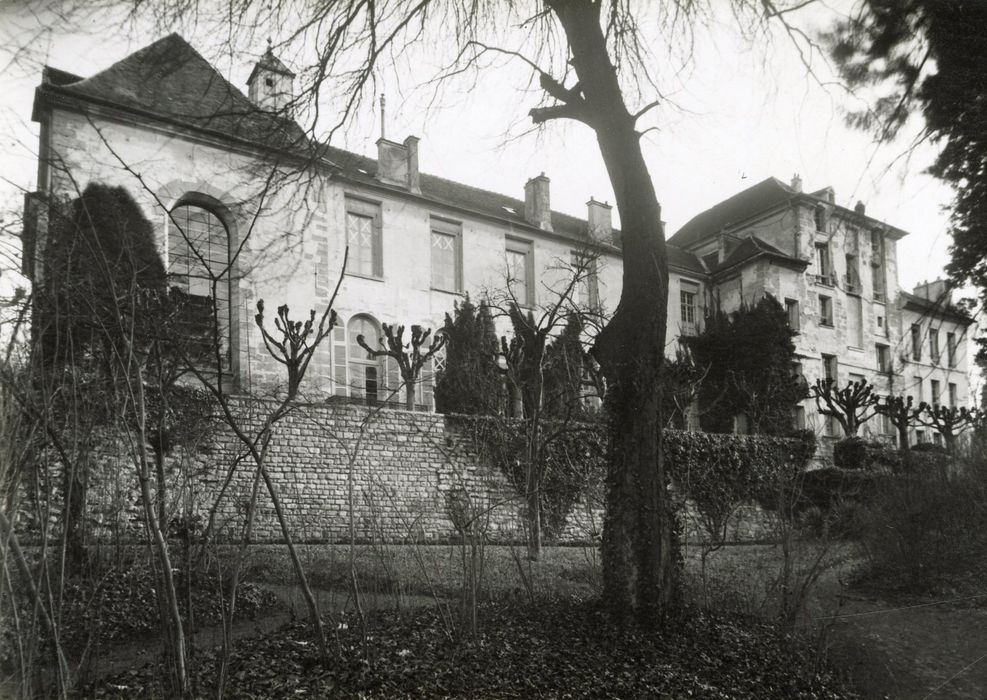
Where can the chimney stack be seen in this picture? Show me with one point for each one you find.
(599, 219)
(797, 182)
(537, 205)
(397, 163)
(936, 291)
(860, 207)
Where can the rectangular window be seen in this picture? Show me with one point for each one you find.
(952, 395)
(832, 427)
(363, 236)
(877, 263)
(852, 279)
(824, 270)
(447, 255)
(792, 309)
(830, 367)
(883, 358)
(934, 345)
(688, 306)
(951, 349)
(799, 418)
(855, 321)
(916, 342)
(587, 290)
(825, 311)
(935, 392)
(520, 271)
(920, 436)
(821, 219)
(919, 393)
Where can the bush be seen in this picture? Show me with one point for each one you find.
(922, 529)
(857, 453)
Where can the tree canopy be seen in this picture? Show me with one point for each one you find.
(929, 57)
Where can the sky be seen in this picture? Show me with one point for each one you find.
(742, 113)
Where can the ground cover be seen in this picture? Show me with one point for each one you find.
(558, 648)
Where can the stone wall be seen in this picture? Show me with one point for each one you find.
(415, 477)
(412, 474)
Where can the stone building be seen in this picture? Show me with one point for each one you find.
(244, 199)
(835, 270)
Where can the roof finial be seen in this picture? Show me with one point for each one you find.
(270, 45)
(382, 122)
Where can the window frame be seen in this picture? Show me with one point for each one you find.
(794, 321)
(225, 308)
(590, 282)
(373, 210)
(831, 362)
(953, 394)
(951, 349)
(826, 302)
(526, 248)
(448, 228)
(935, 388)
(883, 352)
(934, 345)
(823, 260)
(689, 288)
(916, 336)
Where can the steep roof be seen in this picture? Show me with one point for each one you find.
(764, 195)
(754, 247)
(171, 81)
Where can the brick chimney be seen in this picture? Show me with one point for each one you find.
(537, 205)
(397, 163)
(271, 85)
(937, 291)
(599, 219)
(796, 182)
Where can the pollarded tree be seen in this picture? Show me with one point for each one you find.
(583, 51)
(949, 421)
(469, 381)
(410, 357)
(851, 406)
(901, 413)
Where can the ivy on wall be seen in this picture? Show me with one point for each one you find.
(716, 471)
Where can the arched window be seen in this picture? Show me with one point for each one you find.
(366, 375)
(199, 264)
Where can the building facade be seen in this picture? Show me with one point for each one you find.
(248, 207)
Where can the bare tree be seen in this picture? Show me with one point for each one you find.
(851, 406)
(409, 357)
(901, 413)
(949, 421)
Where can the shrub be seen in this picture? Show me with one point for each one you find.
(924, 526)
(857, 453)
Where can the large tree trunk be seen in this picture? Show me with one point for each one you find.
(638, 562)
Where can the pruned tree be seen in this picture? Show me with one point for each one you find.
(948, 421)
(901, 413)
(298, 342)
(410, 357)
(851, 406)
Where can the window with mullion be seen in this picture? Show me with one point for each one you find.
(446, 256)
(363, 236)
(520, 271)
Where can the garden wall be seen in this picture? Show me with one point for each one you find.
(414, 475)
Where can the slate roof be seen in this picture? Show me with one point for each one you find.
(171, 81)
(754, 247)
(764, 195)
(938, 307)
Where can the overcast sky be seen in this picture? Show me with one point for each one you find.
(743, 114)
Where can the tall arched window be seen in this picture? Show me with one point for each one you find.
(199, 265)
(366, 375)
